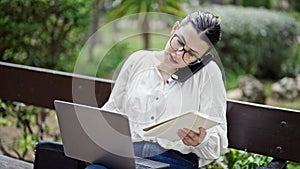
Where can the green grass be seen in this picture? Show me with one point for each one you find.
(295, 104)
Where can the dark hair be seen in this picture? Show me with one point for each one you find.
(206, 24)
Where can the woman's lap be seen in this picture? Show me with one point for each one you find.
(154, 152)
(94, 166)
(176, 159)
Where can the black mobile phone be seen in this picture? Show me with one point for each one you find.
(185, 73)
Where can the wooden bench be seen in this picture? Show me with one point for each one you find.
(256, 128)
(11, 163)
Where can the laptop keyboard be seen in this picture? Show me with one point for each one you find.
(143, 163)
(141, 166)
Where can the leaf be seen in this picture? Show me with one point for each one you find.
(5, 122)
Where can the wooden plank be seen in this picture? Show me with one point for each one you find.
(264, 130)
(41, 87)
(11, 163)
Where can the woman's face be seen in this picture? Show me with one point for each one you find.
(184, 46)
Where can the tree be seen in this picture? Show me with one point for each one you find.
(127, 7)
(42, 32)
(296, 4)
(98, 9)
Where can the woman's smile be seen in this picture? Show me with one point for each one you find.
(171, 59)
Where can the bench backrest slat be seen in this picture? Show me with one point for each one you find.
(252, 127)
(264, 130)
(40, 87)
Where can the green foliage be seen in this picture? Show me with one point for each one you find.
(255, 40)
(296, 4)
(26, 142)
(107, 63)
(3, 115)
(241, 159)
(128, 7)
(29, 120)
(257, 3)
(237, 159)
(292, 66)
(232, 78)
(132, 6)
(42, 32)
(112, 60)
(293, 165)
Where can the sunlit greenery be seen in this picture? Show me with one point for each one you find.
(42, 33)
(52, 33)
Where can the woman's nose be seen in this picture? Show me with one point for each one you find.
(180, 53)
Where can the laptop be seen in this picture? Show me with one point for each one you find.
(99, 137)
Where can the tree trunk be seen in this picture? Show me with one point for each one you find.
(221, 2)
(95, 23)
(145, 32)
(236, 2)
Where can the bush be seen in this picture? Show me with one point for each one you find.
(239, 159)
(292, 65)
(42, 32)
(30, 124)
(111, 61)
(257, 3)
(255, 40)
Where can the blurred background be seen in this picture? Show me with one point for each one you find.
(259, 50)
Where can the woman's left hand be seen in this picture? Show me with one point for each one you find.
(191, 138)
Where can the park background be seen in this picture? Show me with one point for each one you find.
(259, 50)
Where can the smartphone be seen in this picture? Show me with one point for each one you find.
(183, 74)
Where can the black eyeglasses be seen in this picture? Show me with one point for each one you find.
(188, 57)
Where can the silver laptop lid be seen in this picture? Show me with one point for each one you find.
(94, 135)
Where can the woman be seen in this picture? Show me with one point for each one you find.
(148, 93)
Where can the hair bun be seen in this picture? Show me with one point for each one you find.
(205, 22)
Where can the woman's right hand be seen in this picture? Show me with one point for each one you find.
(191, 138)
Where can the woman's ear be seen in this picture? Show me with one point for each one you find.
(175, 27)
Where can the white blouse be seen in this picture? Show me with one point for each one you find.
(140, 92)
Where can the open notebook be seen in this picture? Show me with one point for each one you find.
(192, 120)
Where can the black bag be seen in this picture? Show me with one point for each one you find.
(50, 155)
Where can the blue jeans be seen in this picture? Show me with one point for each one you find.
(155, 152)
(94, 166)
